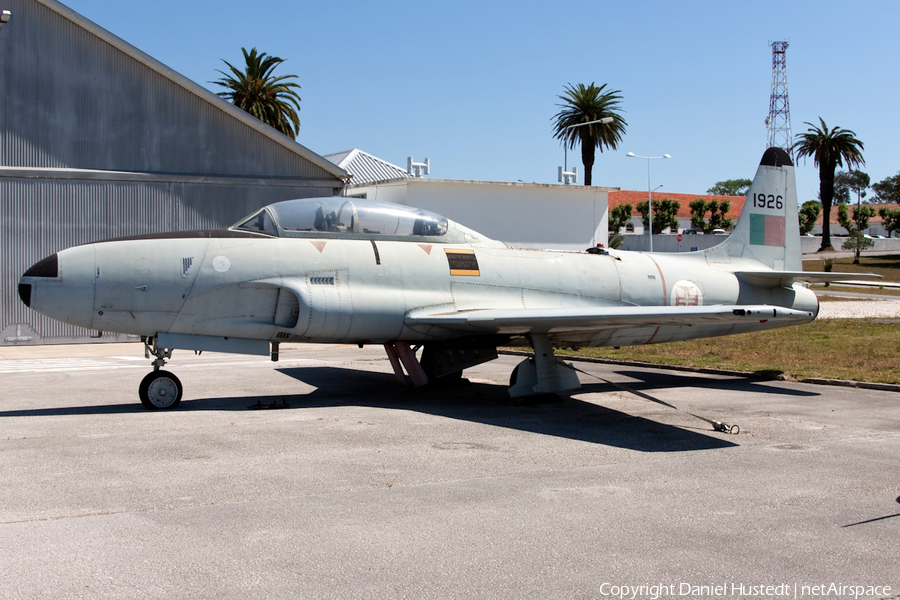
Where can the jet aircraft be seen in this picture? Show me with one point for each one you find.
(349, 270)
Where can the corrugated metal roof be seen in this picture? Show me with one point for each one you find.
(193, 88)
(366, 168)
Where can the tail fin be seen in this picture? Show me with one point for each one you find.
(768, 229)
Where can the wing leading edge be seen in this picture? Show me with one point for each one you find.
(556, 320)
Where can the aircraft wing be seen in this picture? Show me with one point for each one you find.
(786, 278)
(555, 320)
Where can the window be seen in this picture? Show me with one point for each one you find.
(260, 221)
(345, 215)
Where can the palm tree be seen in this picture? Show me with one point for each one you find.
(829, 149)
(583, 104)
(256, 91)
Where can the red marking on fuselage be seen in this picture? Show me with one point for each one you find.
(686, 296)
(665, 299)
(320, 246)
(426, 248)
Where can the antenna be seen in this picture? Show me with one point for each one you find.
(778, 123)
(568, 176)
(417, 169)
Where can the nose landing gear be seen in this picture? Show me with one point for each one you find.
(159, 390)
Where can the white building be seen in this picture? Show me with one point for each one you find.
(524, 215)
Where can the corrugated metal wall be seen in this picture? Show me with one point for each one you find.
(73, 98)
(39, 217)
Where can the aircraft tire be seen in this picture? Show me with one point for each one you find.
(160, 390)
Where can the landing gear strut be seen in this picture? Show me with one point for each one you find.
(159, 390)
(543, 374)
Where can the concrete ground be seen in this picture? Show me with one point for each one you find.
(366, 489)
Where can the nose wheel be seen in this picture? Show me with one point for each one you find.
(160, 390)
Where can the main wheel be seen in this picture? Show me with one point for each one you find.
(160, 390)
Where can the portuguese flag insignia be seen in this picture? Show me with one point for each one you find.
(766, 230)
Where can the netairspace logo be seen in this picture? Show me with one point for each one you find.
(742, 590)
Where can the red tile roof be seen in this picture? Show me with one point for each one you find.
(737, 204)
(834, 212)
(684, 212)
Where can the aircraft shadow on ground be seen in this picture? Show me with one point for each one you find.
(490, 404)
(485, 403)
(651, 380)
(62, 411)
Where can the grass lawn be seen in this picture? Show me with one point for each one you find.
(854, 349)
(887, 265)
(837, 289)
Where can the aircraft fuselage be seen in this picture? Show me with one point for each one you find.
(244, 285)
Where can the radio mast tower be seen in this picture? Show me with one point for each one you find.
(779, 120)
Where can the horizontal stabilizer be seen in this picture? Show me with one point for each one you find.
(552, 320)
(786, 278)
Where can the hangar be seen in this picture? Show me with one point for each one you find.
(99, 140)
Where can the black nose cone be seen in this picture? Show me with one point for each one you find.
(25, 293)
(49, 267)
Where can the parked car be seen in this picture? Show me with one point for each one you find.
(719, 232)
(689, 232)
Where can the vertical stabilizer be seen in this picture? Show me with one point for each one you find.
(768, 230)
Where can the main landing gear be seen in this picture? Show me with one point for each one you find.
(159, 390)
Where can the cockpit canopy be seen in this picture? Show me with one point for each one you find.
(346, 218)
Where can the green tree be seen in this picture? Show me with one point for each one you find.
(890, 219)
(856, 226)
(717, 210)
(829, 149)
(271, 99)
(730, 187)
(846, 182)
(809, 214)
(583, 104)
(665, 213)
(619, 217)
(887, 190)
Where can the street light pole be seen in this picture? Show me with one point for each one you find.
(650, 204)
(649, 191)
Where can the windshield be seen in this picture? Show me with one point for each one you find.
(344, 215)
(260, 221)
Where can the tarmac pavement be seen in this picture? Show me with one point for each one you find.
(367, 489)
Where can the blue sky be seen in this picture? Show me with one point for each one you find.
(474, 85)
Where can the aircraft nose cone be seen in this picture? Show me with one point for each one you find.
(61, 286)
(25, 293)
(48, 267)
